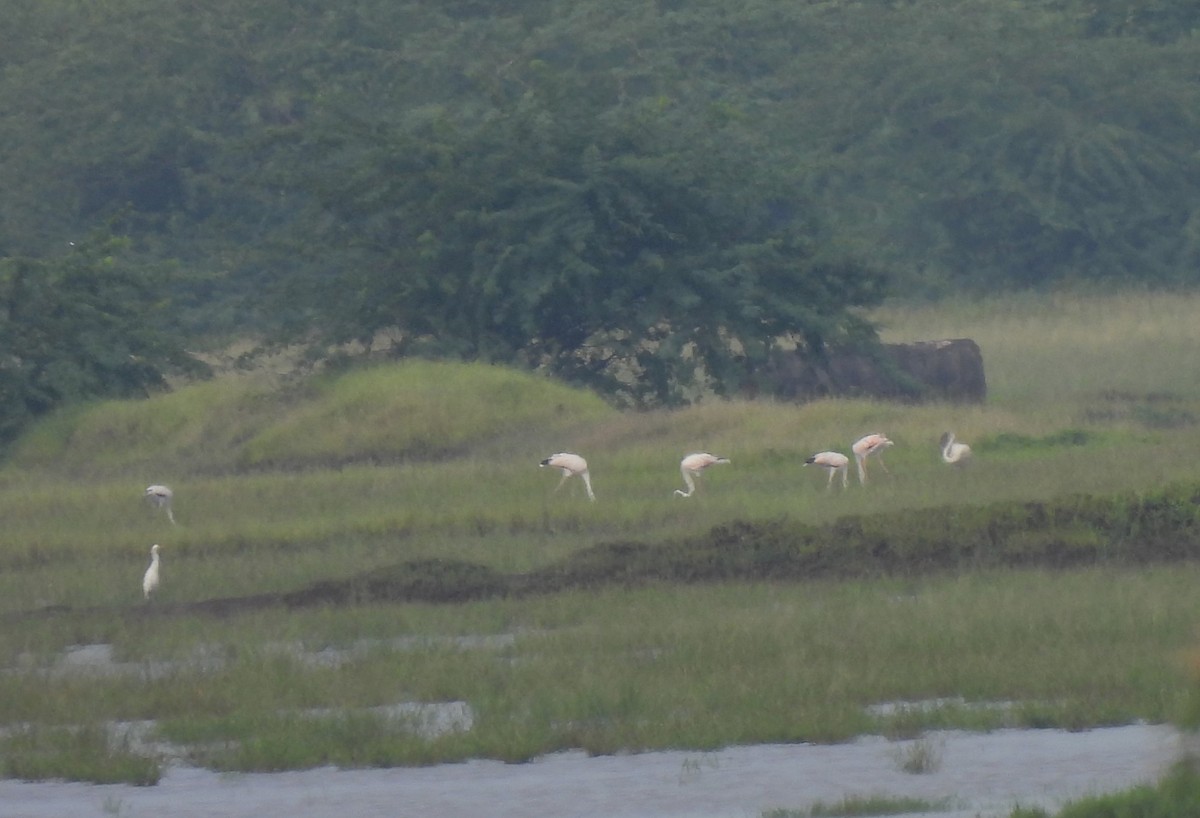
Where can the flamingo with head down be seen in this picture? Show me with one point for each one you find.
(833, 462)
(864, 447)
(570, 465)
(691, 466)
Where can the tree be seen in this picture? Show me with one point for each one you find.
(617, 251)
(80, 327)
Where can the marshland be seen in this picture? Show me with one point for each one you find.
(358, 548)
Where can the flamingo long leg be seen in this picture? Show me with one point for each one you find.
(691, 484)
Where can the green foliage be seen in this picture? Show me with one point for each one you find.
(632, 191)
(80, 328)
(609, 253)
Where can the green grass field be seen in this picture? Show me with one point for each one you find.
(281, 484)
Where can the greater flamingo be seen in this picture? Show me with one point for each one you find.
(834, 462)
(691, 466)
(864, 447)
(570, 464)
(160, 497)
(150, 578)
(956, 454)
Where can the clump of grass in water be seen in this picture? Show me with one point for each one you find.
(920, 757)
(870, 805)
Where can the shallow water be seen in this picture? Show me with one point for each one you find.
(983, 774)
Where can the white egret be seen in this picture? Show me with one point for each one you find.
(150, 578)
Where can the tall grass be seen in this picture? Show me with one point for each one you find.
(1064, 349)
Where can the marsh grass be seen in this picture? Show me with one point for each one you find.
(84, 753)
(278, 489)
(701, 667)
(1040, 349)
(920, 756)
(1176, 796)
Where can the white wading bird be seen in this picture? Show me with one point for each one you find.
(160, 497)
(864, 447)
(834, 462)
(691, 466)
(956, 454)
(150, 578)
(570, 464)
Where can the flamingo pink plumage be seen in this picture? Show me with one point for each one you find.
(570, 465)
(864, 447)
(834, 462)
(691, 466)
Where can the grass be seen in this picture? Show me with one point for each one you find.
(280, 488)
(40, 753)
(920, 757)
(1176, 796)
(872, 805)
(699, 667)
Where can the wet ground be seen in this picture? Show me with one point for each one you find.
(973, 774)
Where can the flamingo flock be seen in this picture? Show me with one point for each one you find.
(835, 463)
(570, 464)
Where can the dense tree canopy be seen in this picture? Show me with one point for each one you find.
(77, 327)
(610, 251)
(455, 173)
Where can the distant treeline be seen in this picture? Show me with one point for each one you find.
(575, 186)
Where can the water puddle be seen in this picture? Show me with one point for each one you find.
(99, 659)
(976, 774)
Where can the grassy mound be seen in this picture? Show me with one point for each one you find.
(417, 410)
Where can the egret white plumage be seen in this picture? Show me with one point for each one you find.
(691, 466)
(570, 465)
(864, 447)
(160, 497)
(150, 578)
(954, 453)
(833, 462)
